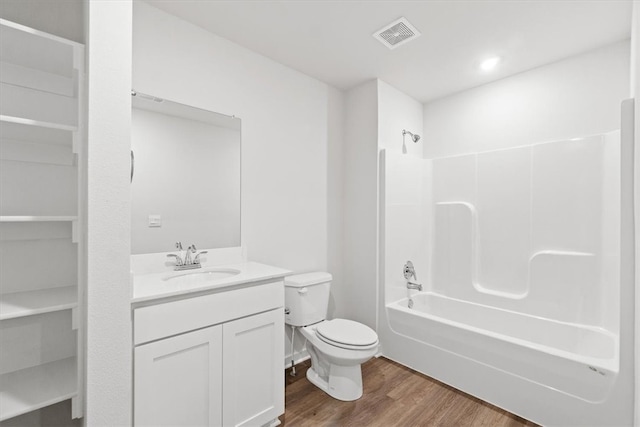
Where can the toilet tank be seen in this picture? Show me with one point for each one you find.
(306, 298)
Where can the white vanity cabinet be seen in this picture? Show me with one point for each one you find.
(211, 360)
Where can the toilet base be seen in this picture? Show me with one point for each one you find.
(344, 383)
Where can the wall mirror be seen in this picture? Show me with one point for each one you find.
(186, 176)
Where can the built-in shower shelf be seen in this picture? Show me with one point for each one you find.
(38, 218)
(33, 388)
(29, 303)
(562, 253)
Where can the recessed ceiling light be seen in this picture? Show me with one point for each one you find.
(490, 63)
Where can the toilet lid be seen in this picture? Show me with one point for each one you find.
(346, 332)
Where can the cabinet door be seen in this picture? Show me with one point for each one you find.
(178, 381)
(253, 379)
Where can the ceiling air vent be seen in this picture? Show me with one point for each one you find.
(397, 33)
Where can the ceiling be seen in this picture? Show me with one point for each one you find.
(332, 40)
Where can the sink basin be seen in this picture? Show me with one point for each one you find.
(202, 276)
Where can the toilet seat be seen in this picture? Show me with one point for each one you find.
(347, 334)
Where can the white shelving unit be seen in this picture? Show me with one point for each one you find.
(37, 124)
(41, 218)
(39, 386)
(28, 303)
(42, 189)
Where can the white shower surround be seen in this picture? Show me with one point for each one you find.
(502, 335)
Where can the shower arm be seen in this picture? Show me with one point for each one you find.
(414, 137)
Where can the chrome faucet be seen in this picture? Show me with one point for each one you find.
(187, 256)
(413, 285)
(409, 273)
(196, 260)
(188, 262)
(178, 256)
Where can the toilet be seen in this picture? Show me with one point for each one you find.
(337, 347)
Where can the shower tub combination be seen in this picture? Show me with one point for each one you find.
(521, 276)
(577, 359)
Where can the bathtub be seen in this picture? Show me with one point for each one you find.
(579, 360)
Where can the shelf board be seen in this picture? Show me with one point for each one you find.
(35, 49)
(38, 33)
(29, 303)
(33, 388)
(37, 218)
(37, 123)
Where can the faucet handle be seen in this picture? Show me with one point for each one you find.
(196, 260)
(409, 271)
(179, 245)
(192, 248)
(177, 258)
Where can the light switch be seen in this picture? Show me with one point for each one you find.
(155, 221)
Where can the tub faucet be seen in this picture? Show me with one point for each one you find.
(413, 285)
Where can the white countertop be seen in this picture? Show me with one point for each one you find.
(151, 286)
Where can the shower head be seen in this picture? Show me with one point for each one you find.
(414, 137)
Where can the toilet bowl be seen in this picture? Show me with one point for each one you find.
(337, 347)
(335, 364)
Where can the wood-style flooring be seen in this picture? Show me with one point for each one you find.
(394, 395)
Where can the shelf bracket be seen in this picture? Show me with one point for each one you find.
(75, 318)
(75, 232)
(75, 142)
(76, 407)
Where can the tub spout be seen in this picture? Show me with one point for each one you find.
(412, 285)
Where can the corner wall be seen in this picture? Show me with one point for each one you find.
(635, 93)
(108, 362)
(375, 115)
(356, 297)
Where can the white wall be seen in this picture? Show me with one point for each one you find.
(575, 97)
(108, 363)
(398, 111)
(375, 115)
(335, 195)
(284, 130)
(357, 299)
(635, 93)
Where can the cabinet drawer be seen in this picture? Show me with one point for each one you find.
(175, 317)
